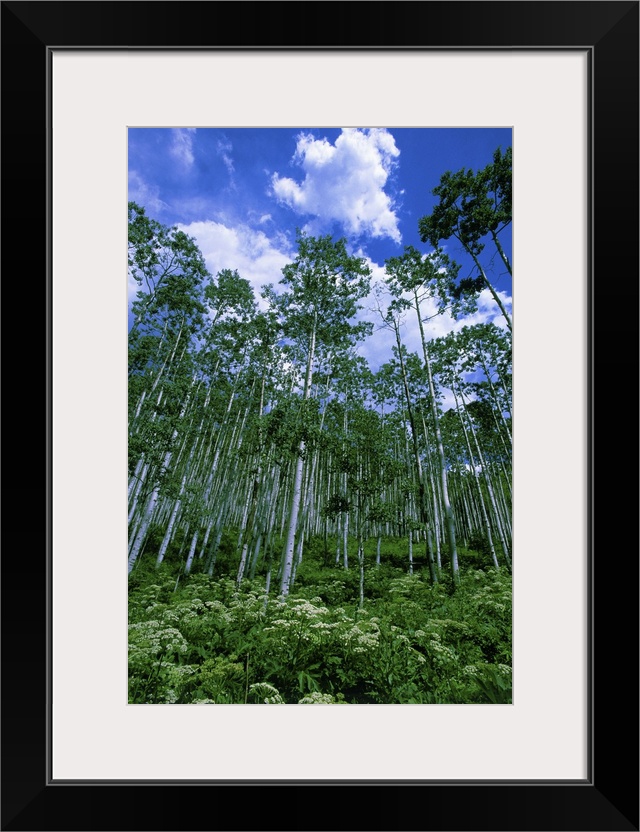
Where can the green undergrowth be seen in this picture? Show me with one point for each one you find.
(204, 640)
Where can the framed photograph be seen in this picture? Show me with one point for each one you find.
(90, 90)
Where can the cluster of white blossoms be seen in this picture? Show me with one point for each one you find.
(324, 625)
(361, 641)
(219, 609)
(155, 638)
(266, 692)
(398, 636)
(503, 670)
(249, 607)
(447, 624)
(169, 617)
(177, 675)
(491, 604)
(155, 606)
(303, 616)
(277, 623)
(191, 611)
(304, 608)
(441, 654)
(317, 698)
(494, 590)
(182, 670)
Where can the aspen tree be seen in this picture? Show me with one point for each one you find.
(322, 287)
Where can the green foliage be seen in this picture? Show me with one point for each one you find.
(471, 205)
(207, 641)
(494, 684)
(473, 208)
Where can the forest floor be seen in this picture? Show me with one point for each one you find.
(197, 639)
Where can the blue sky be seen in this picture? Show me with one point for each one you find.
(241, 193)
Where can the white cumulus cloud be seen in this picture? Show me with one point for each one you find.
(256, 257)
(344, 182)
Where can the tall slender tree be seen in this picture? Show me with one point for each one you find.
(422, 277)
(322, 288)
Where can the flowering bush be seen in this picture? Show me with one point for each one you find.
(210, 642)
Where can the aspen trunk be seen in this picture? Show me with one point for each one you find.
(448, 512)
(287, 559)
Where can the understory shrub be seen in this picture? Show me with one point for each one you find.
(208, 641)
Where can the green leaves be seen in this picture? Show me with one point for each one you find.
(471, 205)
(413, 643)
(495, 684)
(170, 269)
(323, 285)
(473, 208)
(230, 295)
(335, 505)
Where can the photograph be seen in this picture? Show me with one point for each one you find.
(320, 416)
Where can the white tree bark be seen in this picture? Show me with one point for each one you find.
(192, 550)
(288, 554)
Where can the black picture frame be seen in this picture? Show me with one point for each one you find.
(608, 798)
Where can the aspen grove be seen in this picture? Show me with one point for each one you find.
(305, 528)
